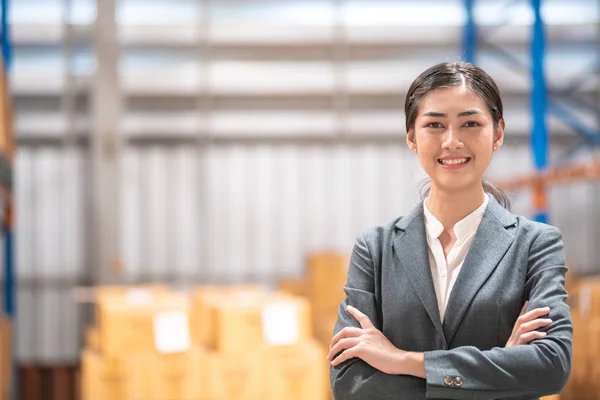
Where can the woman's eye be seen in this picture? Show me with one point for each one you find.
(472, 124)
(434, 125)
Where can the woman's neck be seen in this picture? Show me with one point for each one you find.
(451, 207)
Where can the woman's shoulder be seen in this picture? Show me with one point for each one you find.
(535, 228)
(380, 232)
(534, 234)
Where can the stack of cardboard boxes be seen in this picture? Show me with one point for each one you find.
(584, 299)
(139, 331)
(326, 276)
(5, 358)
(260, 344)
(219, 343)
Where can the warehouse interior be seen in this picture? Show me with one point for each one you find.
(213, 162)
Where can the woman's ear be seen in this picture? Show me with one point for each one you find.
(410, 140)
(499, 135)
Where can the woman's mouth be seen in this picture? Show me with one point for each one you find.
(453, 163)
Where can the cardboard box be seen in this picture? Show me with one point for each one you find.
(588, 297)
(235, 376)
(130, 293)
(155, 324)
(171, 377)
(5, 357)
(297, 372)
(294, 287)
(327, 276)
(102, 377)
(246, 324)
(92, 338)
(203, 300)
(323, 326)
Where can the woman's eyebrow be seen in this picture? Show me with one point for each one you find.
(468, 112)
(444, 115)
(434, 114)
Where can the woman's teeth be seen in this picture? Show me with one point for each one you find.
(454, 162)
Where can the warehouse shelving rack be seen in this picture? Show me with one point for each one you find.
(544, 101)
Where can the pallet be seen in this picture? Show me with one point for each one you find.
(49, 382)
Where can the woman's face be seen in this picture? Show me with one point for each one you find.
(454, 137)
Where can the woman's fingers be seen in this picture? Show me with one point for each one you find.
(346, 355)
(345, 333)
(343, 344)
(526, 323)
(535, 324)
(528, 337)
(533, 314)
(516, 325)
(362, 319)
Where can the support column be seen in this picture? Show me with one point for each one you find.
(469, 39)
(105, 110)
(539, 133)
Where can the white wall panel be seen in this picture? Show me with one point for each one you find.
(156, 205)
(263, 194)
(315, 187)
(73, 212)
(290, 255)
(184, 212)
(132, 222)
(27, 328)
(46, 213)
(234, 264)
(24, 221)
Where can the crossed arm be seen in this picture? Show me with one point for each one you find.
(537, 369)
(370, 345)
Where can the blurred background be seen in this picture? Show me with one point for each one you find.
(206, 156)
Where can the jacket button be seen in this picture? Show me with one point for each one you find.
(458, 382)
(448, 381)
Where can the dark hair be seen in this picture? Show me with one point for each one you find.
(452, 74)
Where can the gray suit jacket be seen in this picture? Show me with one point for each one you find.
(511, 260)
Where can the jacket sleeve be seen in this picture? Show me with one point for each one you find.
(355, 379)
(537, 369)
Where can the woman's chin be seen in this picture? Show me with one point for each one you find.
(457, 184)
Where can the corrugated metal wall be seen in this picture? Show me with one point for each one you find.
(266, 74)
(233, 213)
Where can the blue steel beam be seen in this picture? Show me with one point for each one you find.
(469, 33)
(539, 133)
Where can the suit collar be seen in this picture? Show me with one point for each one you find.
(502, 215)
(490, 243)
(411, 254)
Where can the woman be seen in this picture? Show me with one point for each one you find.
(459, 299)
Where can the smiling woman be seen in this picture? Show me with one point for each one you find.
(460, 298)
(471, 122)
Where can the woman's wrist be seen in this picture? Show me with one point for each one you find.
(411, 363)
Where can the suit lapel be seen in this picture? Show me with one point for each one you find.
(411, 254)
(489, 245)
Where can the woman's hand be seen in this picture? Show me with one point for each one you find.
(525, 327)
(366, 343)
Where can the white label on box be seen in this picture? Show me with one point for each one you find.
(280, 324)
(171, 332)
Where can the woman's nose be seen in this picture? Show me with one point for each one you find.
(452, 140)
